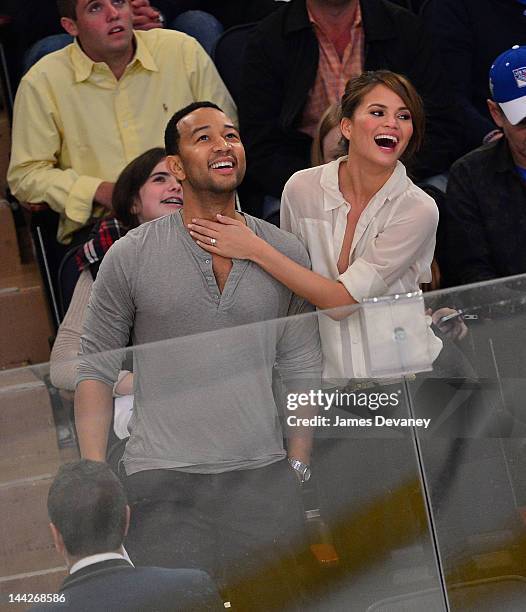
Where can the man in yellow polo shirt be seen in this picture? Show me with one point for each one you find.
(82, 113)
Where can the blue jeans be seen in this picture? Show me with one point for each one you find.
(43, 47)
(205, 28)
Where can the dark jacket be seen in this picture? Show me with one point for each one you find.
(281, 62)
(117, 586)
(470, 35)
(484, 217)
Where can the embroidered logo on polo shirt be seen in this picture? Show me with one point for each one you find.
(520, 76)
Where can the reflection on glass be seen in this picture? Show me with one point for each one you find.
(417, 498)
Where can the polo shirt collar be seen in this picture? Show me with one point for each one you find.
(333, 198)
(143, 55)
(83, 65)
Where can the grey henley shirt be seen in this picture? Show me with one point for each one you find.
(203, 399)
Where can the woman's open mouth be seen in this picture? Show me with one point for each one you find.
(386, 142)
(173, 201)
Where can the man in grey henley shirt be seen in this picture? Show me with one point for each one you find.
(205, 459)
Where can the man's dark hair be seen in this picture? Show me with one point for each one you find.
(87, 505)
(67, 8)
(171, 133)
(129, 183)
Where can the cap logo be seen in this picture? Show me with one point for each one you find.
(520, 76)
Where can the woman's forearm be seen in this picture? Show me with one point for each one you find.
(231, 238)
(320, 291)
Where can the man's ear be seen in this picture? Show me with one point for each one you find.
(496, 113)
(69, 25)
(175, 165)
(58, 541)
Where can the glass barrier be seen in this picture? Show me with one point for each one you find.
(417, 494)
(473, 452)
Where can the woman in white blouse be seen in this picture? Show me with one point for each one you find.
(368, 229)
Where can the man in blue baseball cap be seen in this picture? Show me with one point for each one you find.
(485, 209)
(507, 81)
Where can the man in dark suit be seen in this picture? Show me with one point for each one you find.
(296, 64)
(89, 519)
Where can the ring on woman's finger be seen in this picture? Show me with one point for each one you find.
(213, 241)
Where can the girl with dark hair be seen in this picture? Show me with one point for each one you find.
(144, 191)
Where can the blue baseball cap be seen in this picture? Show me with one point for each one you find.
(507, 83)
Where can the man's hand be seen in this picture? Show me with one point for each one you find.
(104, 194)
(144, 16)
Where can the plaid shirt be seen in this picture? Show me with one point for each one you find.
(333, 72)
(102, 236)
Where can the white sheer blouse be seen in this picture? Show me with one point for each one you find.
(391, 252)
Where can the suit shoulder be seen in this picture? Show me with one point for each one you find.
(190, 588)
(272, 23)
(180, 574)
(400, 14)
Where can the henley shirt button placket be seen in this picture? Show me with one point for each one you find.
(210, 280)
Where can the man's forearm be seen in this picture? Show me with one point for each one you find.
(300, 435)
(104, 194)
(93, 412)
(300, 443)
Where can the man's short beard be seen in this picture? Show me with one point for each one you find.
(217, 189)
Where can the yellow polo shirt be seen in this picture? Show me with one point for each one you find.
(75, 125)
